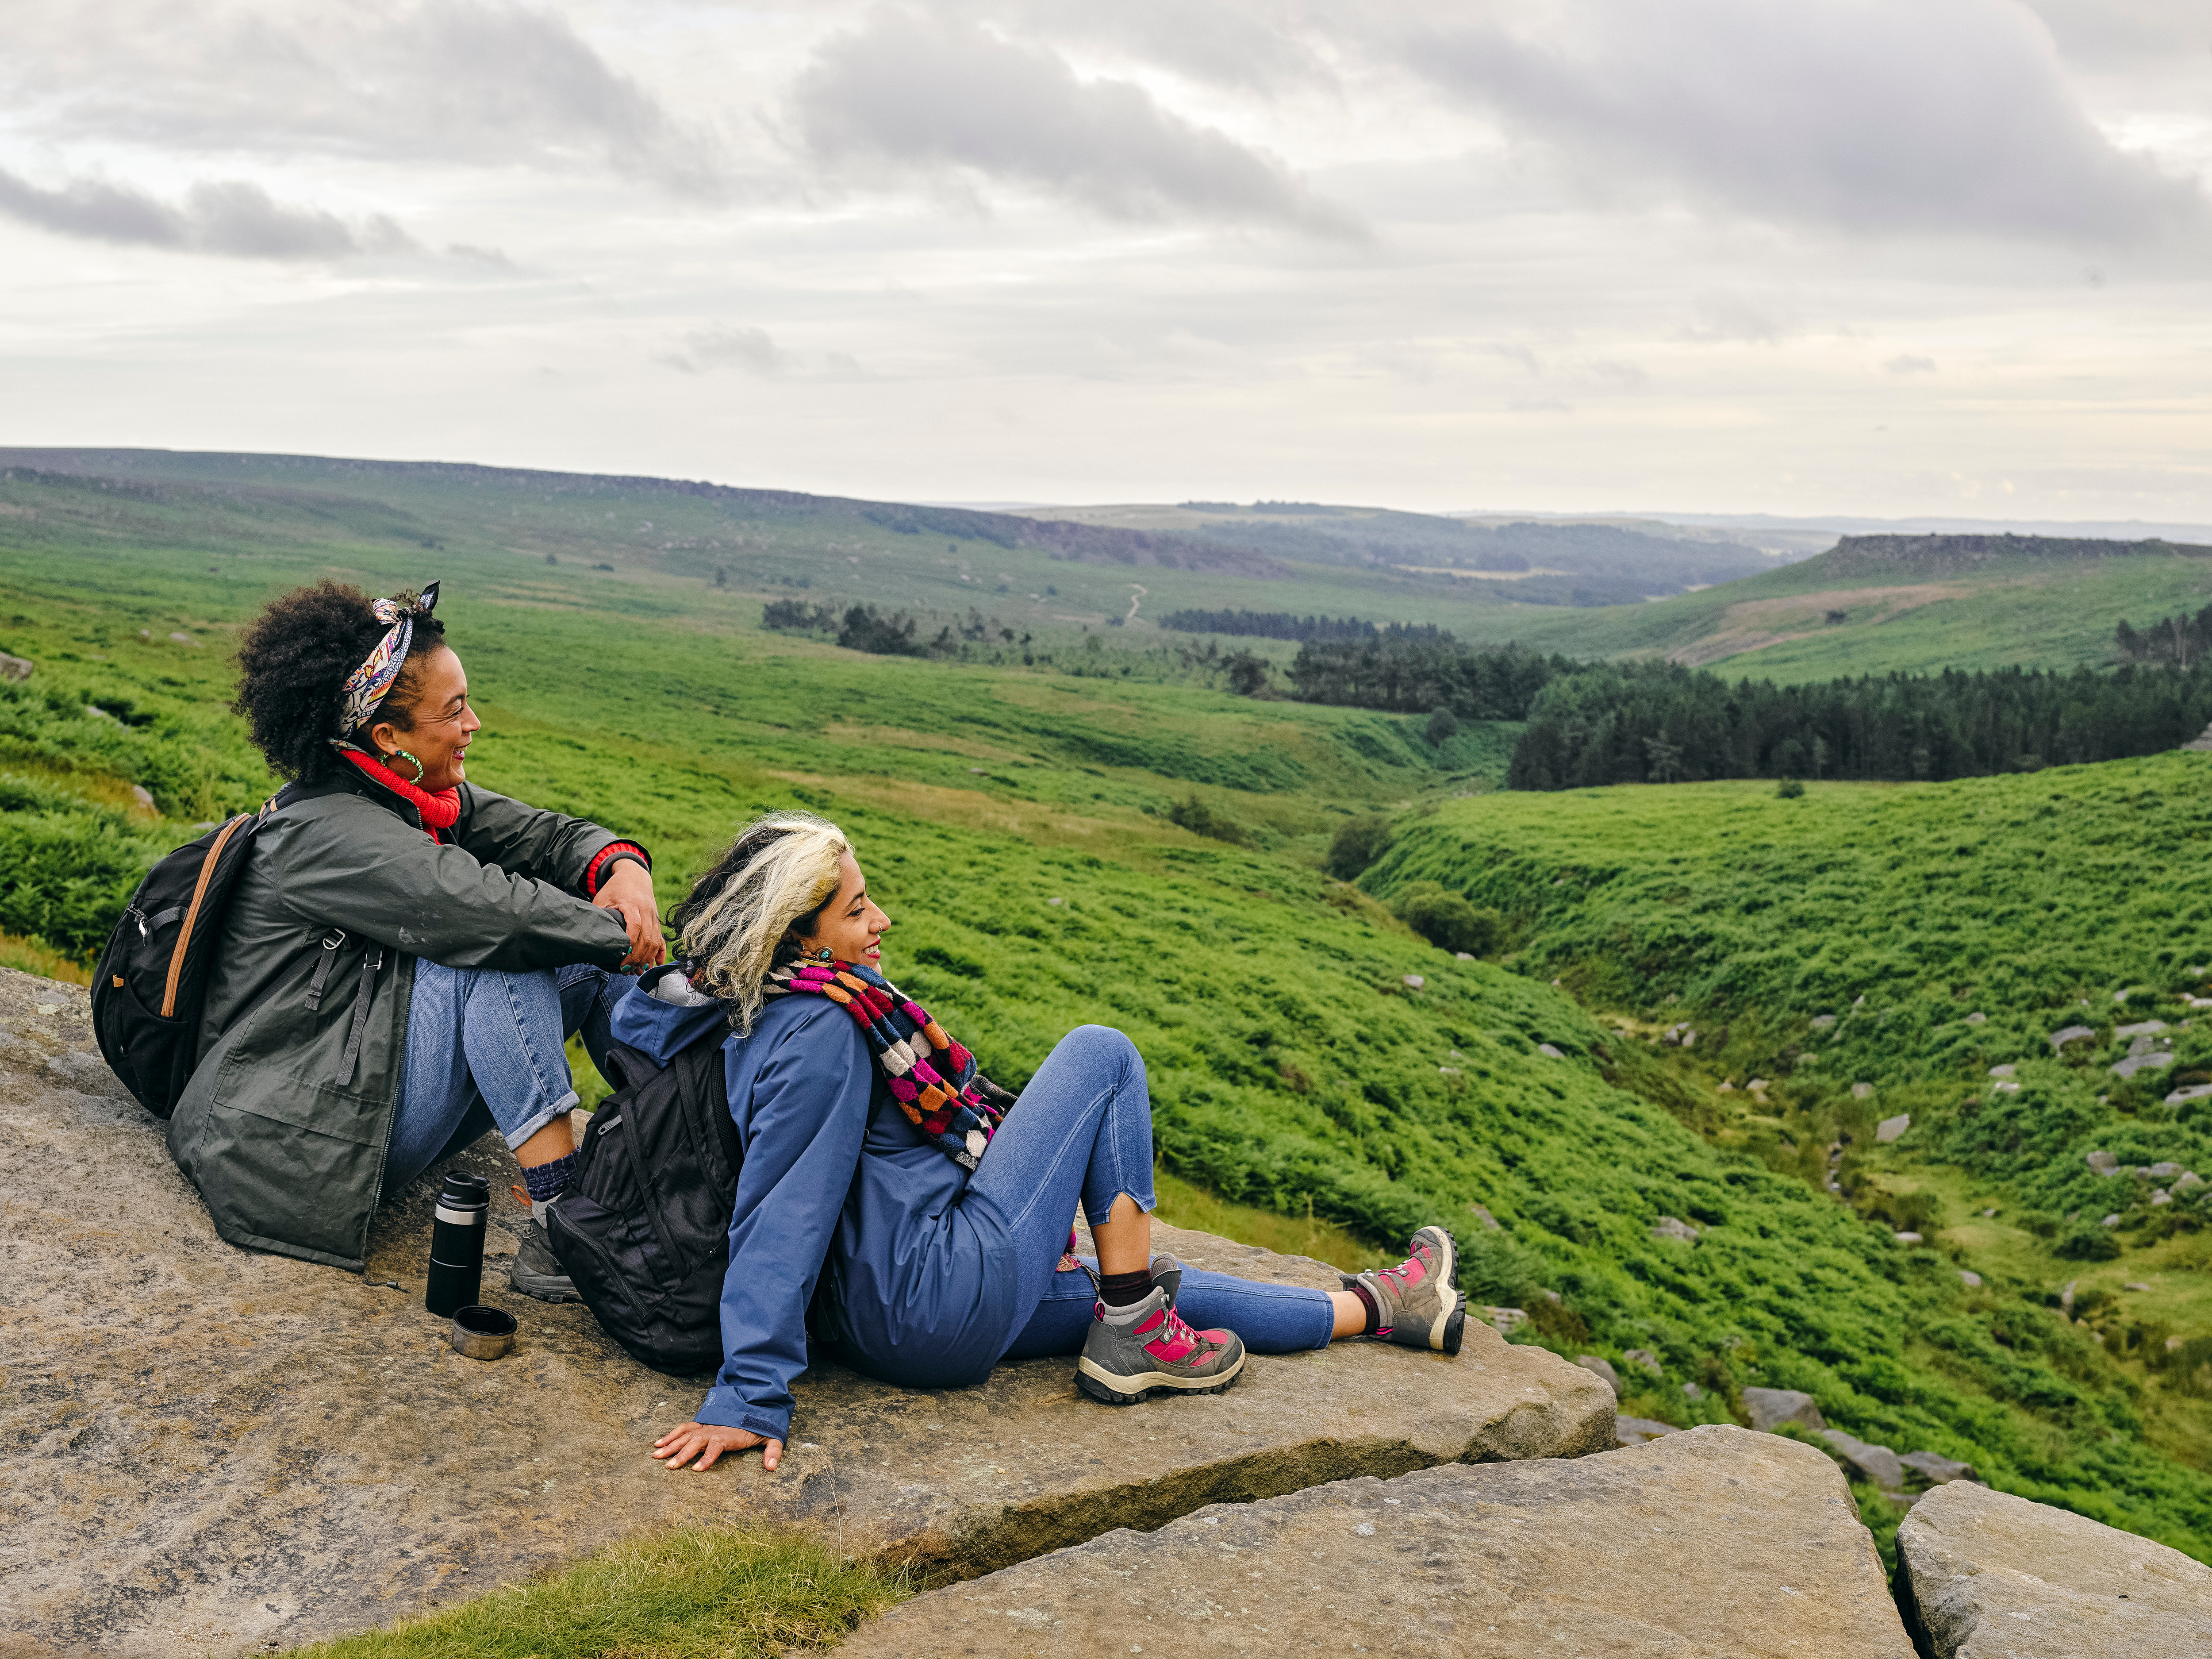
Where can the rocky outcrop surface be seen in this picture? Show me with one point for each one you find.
(1984, 1575)
(1714, 1541)
(203, 1448)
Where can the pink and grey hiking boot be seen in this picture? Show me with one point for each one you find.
(1416, 1305)
(1136, 1351)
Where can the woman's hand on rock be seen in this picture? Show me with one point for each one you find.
(629, 888)
(705, 1441)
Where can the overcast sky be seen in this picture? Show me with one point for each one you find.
(1873, 257)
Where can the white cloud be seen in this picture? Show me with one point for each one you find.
(1884, 115)
(909, 95)
(1911, 363)
(481, 82)
(753, 350)
(227, 216)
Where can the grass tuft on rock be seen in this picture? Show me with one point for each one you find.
(698, 1593)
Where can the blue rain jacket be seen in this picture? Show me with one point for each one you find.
(838, 1188)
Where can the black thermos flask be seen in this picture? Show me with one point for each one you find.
(457, 1242)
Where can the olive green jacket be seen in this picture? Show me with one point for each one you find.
(285, 1123)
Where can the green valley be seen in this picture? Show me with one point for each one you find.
(1025, 808)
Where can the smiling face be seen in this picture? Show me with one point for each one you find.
(441, 723)
(849, 924)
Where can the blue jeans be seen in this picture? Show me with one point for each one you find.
(1084, 1128)
(485, 1049)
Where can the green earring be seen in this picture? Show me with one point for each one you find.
(825, 955)
(402, 754)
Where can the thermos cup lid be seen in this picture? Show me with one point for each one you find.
(483, 1332)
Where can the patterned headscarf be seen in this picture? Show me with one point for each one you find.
(368, 686)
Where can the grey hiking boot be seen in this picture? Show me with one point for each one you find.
(1416, 1301)
(536, 1271)
(1136, 1351)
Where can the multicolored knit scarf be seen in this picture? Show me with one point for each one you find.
(948, 1099)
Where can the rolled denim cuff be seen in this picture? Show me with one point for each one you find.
(559, 1108)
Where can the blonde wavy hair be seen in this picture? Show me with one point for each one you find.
(745, 911)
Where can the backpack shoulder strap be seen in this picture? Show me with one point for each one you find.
(700, 1075)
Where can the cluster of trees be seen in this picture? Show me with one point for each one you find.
(1658, 723)
(1416, 670)
(892, 633)
(2177, 640)
(1269, 625)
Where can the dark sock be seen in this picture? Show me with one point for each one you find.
(1121, 1289)
(549, 1181)
(1367, 1301)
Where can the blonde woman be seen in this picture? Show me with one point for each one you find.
(930, 1207)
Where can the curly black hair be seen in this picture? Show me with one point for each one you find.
(295, 662)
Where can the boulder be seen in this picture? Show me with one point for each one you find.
(2139, 1029)
(2072, 1034)
(2004, 1071)
(1933, 1469)
(2188, 1179)
(1978, 1019)
(1602, 1370)
(1970, 1278)
(1981, 1572)
(1644, 1359)
(1550, 1052)
(1712, 1541)
(2164, 1169)
(204, 1448)
(2150, 1062)
(1877, 1464)
(1862, 1091)
(1769, 1408)
(2101, 1163)
(15, 667)
(1890, 1129)
(1414, 982)
(1635, 1431)
(1673, 1227)
(2194, 1092)
(1824, 1021)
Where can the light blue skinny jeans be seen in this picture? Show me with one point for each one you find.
(1084, 1127)
(486, 1049)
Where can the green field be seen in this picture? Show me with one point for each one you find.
(1015, 819)
(1896, 615)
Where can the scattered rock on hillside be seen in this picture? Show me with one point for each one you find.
(2188, 1179)
(1862, 1091)
(1908, 1238)
(1970, 1278)
(1506, 1320)
(182, 638)
(1673, 1227)
(1983, 1573)
(1414, 982)
(1978, 1019)
(2102, 1162)
(1601, 1370)
(2072, 1034)
(15, 667)
(1644, 1359)
(1481, 1213)
(2135, 1063)
(2164, 1169)
(202, 1444)
(2194, 1092)
(2112, 1220)
(1824, 1021)
(1635, 1431)
(1877, 1464)
(1770, 1407)
(1688, 1544)
(2004, 1071)
(2140, 1029)
(1933, 1469)
(1546, 1049)
(1890, 1129)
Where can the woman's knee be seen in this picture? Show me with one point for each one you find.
(1103, 1046)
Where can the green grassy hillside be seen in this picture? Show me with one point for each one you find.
(1919, 611)
(1014, 821)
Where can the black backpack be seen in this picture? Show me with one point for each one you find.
(644, 1228)
(151, 985)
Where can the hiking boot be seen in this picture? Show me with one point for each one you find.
(1418, 1306)
(536, 1271)
(1136, 1351)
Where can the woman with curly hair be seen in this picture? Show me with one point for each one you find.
(929, 1206)
(406, 952)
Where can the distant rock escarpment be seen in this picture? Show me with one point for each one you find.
(1952, 555)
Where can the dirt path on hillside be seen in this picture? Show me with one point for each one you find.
(1753, 625)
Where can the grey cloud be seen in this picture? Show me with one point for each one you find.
(480, 80)
(2106, 31)
(1726, 316)
(1245, 44)
(908, 93)
(1628, 376)
(1907, 363)
(1890, 116)
(229, 216)
(751, 349)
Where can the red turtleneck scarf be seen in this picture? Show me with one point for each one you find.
(440, 811)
